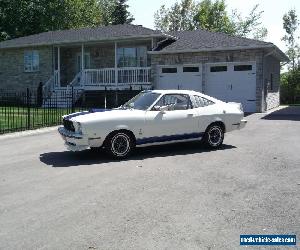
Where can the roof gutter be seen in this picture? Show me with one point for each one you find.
(83, 41)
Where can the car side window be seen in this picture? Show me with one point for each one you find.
(201, 102)
(174, 102)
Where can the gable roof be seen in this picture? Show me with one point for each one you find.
(175, 42)
(111, 32)
(202, 40)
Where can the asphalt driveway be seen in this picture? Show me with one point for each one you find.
(169, 197)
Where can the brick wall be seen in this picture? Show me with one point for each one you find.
(12, 75)
(213, 57)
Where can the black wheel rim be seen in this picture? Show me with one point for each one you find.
(215, 135)
(120, 144)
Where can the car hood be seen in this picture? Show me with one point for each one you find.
(103, 114)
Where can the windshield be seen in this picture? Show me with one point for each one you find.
(142, 101)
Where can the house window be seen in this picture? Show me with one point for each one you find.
(242, 67)
(132, 57)
(169, 70)
(31, 61)
(190, 69)
(218, 68)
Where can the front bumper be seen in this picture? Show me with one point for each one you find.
(73, 141)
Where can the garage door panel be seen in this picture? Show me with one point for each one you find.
(233, 82)
(186, 77)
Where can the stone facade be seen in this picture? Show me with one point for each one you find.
(14, 77)
(12, 74)
(254, 55)
(272, 82)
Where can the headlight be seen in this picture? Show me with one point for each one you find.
(78, 128)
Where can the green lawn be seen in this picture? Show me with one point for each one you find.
(17, 119)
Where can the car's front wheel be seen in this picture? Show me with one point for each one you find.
(119, 144)
(214, 136)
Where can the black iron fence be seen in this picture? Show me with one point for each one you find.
(32, 109)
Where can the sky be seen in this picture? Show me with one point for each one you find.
(143, 12)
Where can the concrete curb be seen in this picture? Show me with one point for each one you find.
(28, 132)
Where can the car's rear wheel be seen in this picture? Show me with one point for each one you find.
(119, 144)
(214, 136)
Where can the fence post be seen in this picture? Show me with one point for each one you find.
(105, 97)
(39, 93)
(28, 108)
(73, 108)
(116, 100)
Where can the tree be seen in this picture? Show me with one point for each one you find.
(249, 26)
(290, 86)
(213, 16)
(106, 9)
(26, 17)
(178, 17)
(120, 14)
(210, 15)
(290, 24)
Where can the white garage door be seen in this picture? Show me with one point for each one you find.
(180, 77)
(232, 82)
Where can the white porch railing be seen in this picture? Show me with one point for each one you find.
(133, 75)
(77, 80)
(48, 87)
(125, 76)
(99, 76)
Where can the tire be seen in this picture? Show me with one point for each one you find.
(119, 145)
(214, 136)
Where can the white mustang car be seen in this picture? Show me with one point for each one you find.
(153, 117)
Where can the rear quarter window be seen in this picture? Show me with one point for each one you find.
(201, 102)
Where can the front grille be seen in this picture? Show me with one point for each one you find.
(68, 125)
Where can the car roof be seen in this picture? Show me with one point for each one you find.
(175, 91)
(182, 91)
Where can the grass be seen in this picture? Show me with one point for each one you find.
(17, 118)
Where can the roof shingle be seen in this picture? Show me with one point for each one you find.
(81, 35)
(202, 39)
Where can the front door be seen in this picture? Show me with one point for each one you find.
(179, 122)
(87, 61)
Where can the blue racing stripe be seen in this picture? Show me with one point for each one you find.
(166, 138)
(98, 110)
(68, 117)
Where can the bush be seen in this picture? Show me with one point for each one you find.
(290, 87)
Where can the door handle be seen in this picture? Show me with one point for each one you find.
(190, 115)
